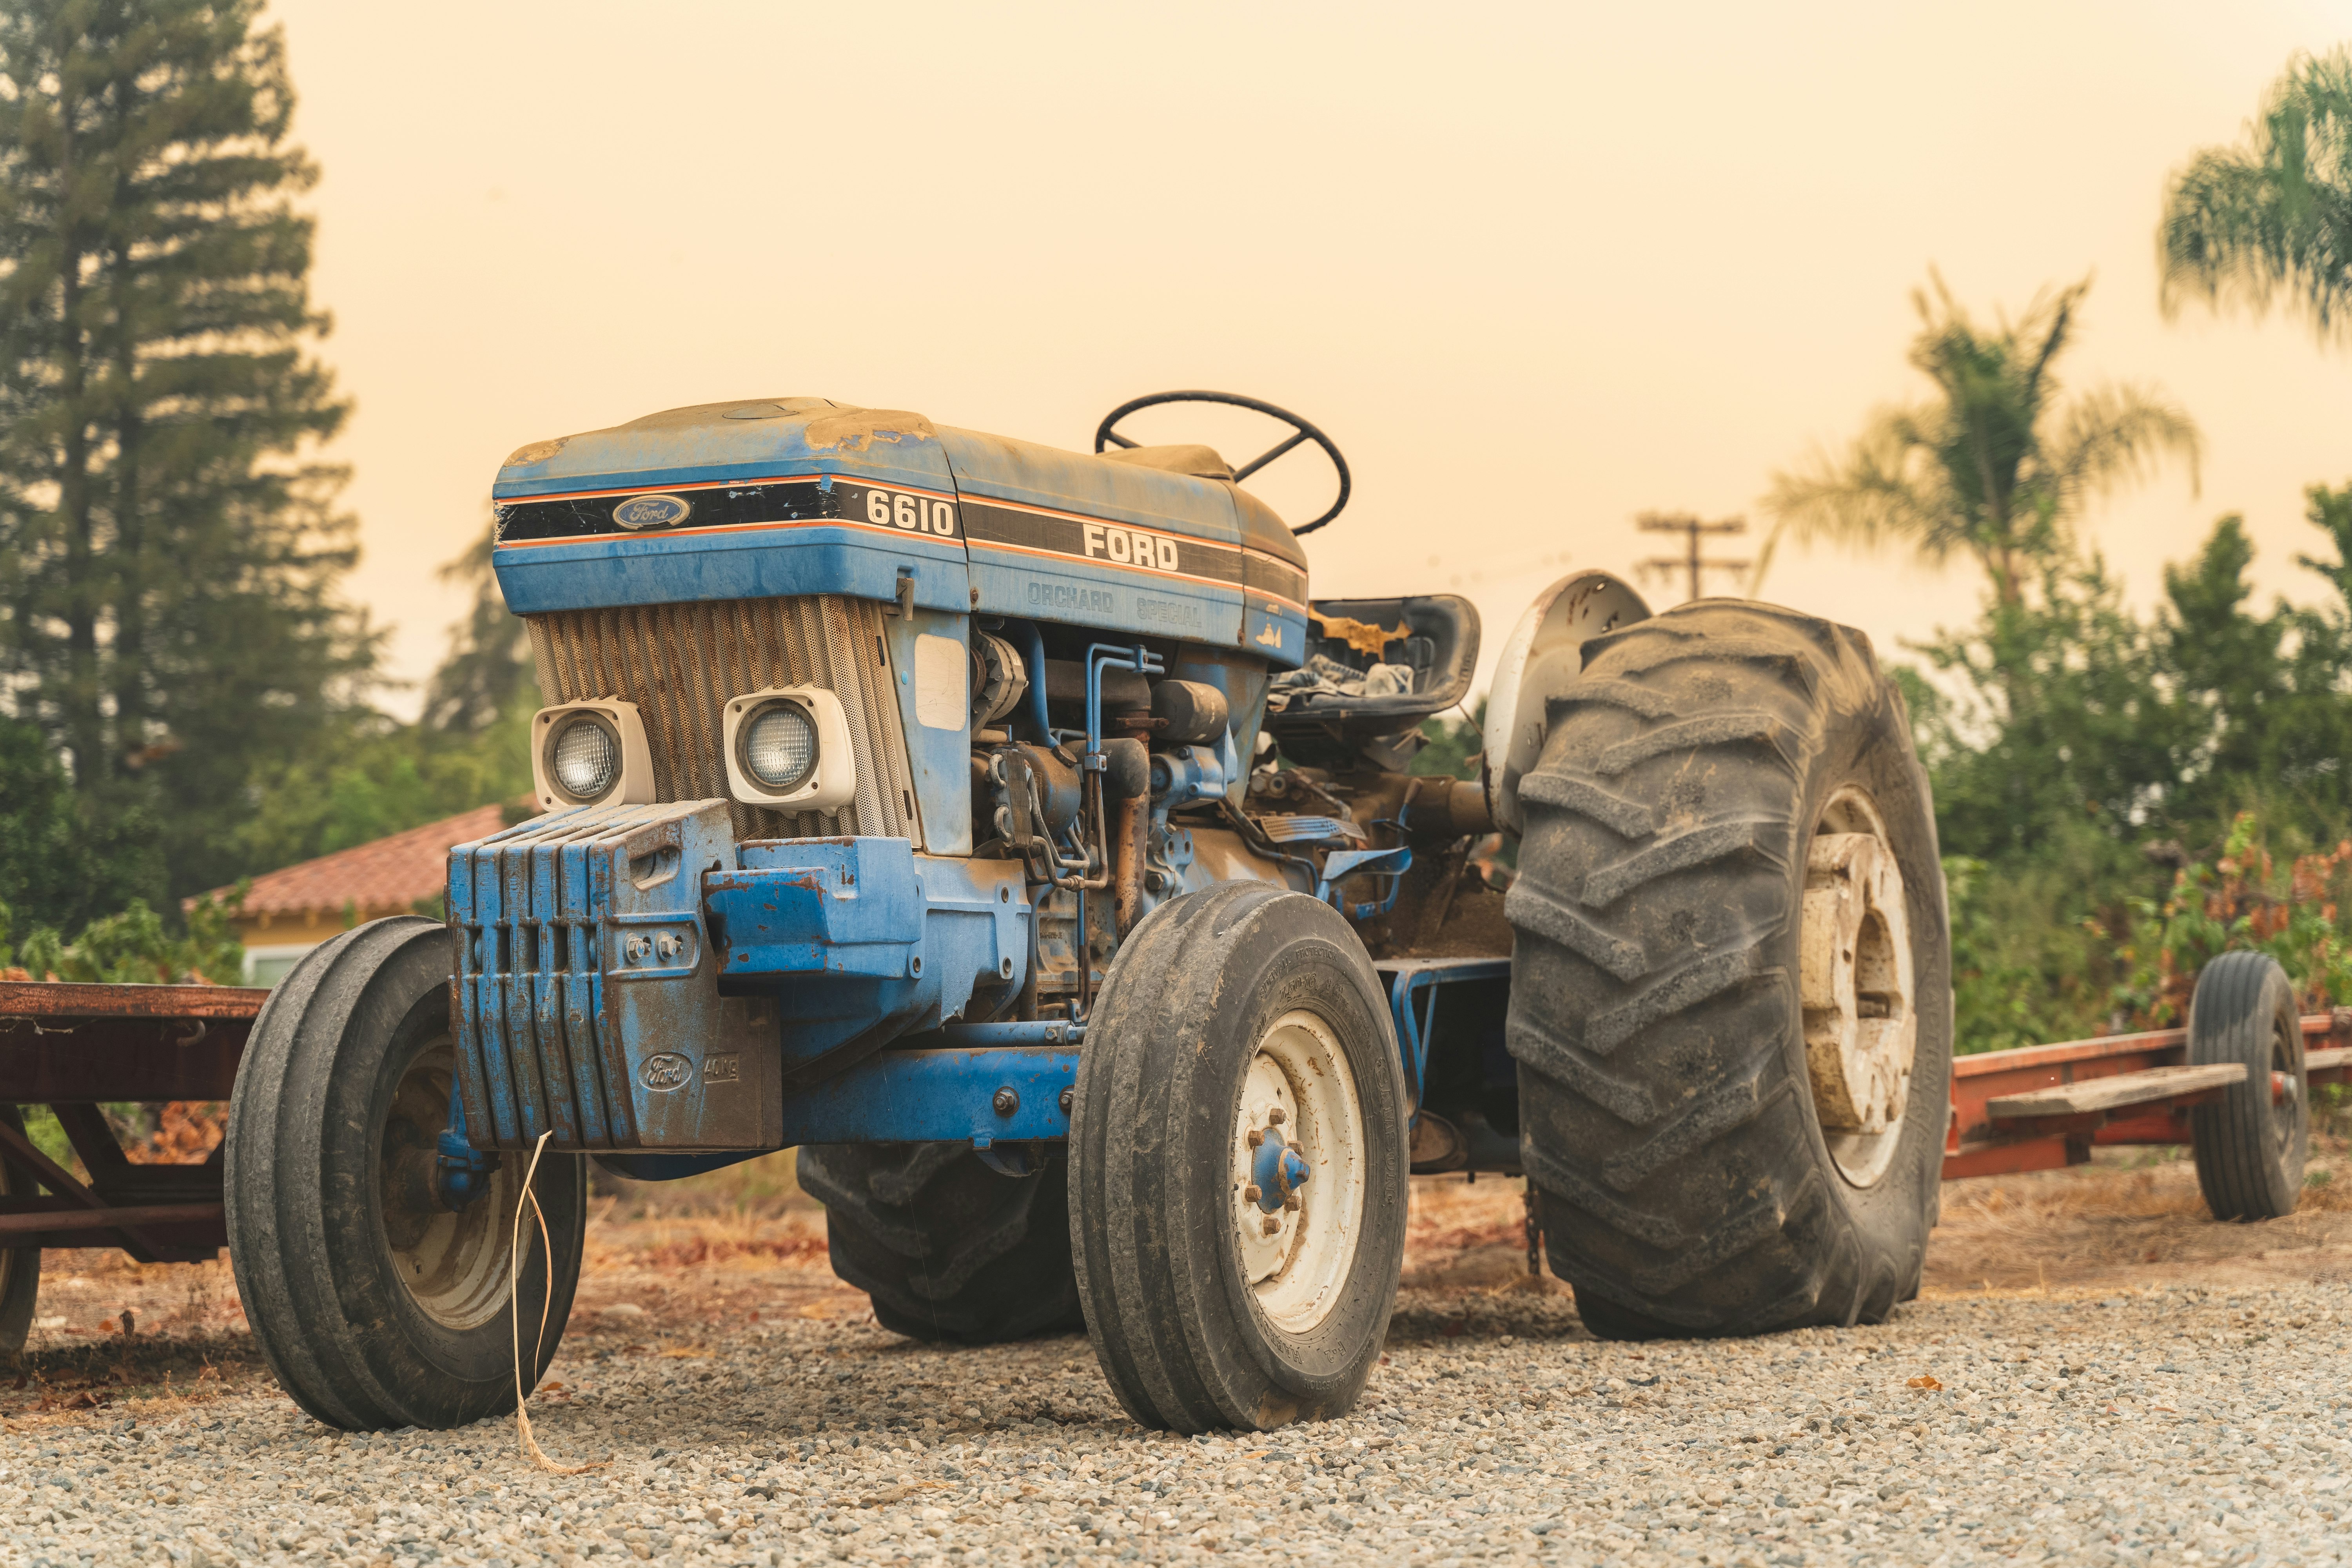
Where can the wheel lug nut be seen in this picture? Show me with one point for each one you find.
(1291, 1202)
(1270, 1224)
(1255, 1138)
(1276, 1116)
(1250, 1193)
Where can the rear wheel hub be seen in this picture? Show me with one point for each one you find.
(1862, 1029)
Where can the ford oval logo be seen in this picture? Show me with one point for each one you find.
(652, 511)
(665, 1070)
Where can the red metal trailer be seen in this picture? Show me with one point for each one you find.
(2041, 1107)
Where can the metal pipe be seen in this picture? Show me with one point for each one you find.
(1134, 826)
(108, 1218)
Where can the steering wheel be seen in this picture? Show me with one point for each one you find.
(1300, 431)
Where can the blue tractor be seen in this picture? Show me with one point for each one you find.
(1008, 830)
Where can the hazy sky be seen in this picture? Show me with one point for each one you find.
(1537, 268)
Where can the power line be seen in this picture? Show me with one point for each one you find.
(1690, 562)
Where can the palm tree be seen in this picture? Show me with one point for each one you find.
(2273, 215)
(1995, 464)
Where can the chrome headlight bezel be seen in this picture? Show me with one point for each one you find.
(747, 732)
(831, 781)
(632, 781)
(559, 734)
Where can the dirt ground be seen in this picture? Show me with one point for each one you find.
(752, 1250)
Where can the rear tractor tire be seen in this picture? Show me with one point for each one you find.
(2250, 1148)
(376, 1306)
(1238, 1162)
(946, 1246)
(1731, 988)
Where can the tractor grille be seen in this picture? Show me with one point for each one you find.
(681, 663)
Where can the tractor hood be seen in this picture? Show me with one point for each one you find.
(803, 495)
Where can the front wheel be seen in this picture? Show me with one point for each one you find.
(1237, 1164)
(377, 1304)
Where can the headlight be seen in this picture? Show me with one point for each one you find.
(778, 746)
(590, 753)
(583, 757)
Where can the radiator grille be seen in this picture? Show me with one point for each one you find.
(680, 663)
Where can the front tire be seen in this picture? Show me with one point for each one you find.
(376, 1307)
(1731, 991)
(944, 1247)
(2250, 1148)
(1238, 1163)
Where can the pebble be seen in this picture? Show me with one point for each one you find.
(2175, 1425)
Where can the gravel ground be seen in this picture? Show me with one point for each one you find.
(2175, 1425)
(748, 1410)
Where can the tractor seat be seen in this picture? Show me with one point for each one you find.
(1201, 462)
(1375, 669)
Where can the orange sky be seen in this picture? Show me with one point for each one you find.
(1536, 268)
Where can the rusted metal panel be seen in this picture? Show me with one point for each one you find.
(2048, 1153)
(65, 1042)
(24, 1217)
(2155, 1124)
(72, 999)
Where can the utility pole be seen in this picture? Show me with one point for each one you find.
(1690, 562)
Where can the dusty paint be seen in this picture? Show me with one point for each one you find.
(856, 430)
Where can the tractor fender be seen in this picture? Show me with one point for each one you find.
(1545, 651)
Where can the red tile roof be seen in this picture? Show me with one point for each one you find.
(388, 874)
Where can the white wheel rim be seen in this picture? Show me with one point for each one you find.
(1861, 1026)
(453, 1265)
(1298, 1091)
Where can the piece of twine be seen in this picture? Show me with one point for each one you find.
(529, 1444)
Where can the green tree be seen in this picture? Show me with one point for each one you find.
(61, 863)
(2271, 216)
(1998, 463)
(167, 617)
(2262, 721)
(366, 774)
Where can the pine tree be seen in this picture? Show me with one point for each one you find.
(169, 542)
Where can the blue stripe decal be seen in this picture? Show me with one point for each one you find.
(607, 572)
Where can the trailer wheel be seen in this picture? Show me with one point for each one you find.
(1731, 992)
(2251, 1147)
(376, 1306)
(1237, 1164)
(20, 1267)
(945, 1247)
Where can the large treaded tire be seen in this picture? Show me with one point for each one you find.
(20, 1267)
(305, 1172)
(945, 1247)
(1666, 1110)
(2250, 1148)
(1197, 992)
